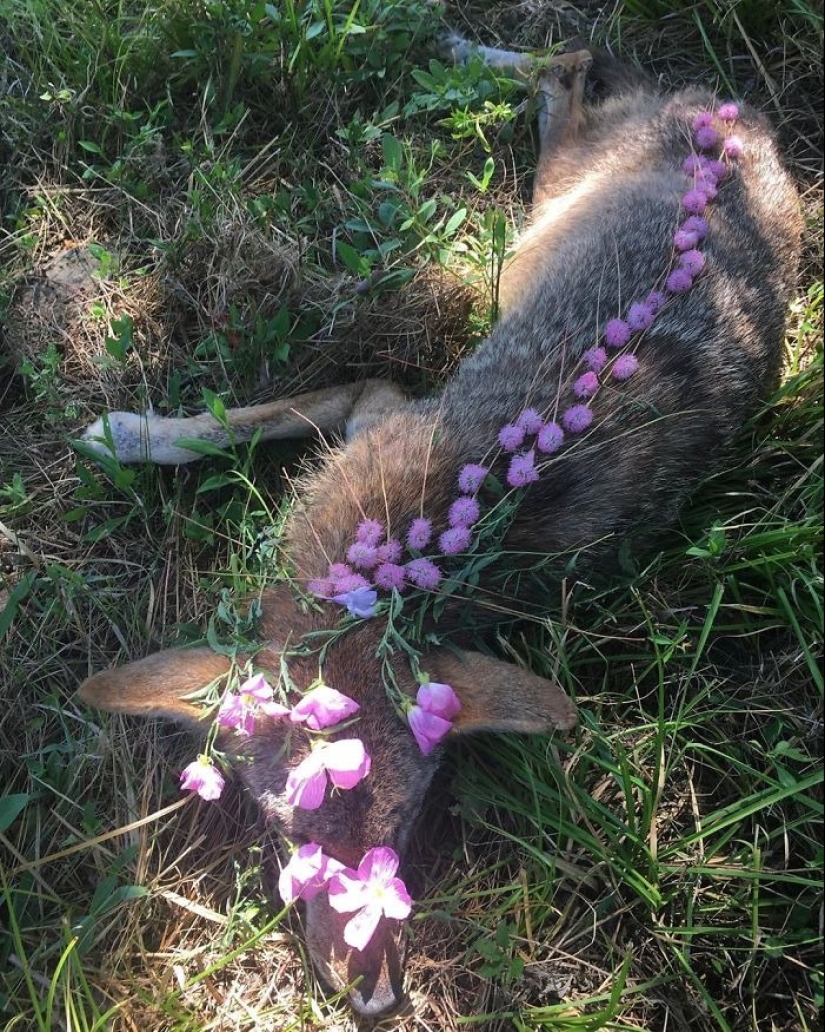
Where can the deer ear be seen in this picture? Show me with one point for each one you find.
(499, 696)
(156, 686)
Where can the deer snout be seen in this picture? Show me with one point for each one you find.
(375, 973)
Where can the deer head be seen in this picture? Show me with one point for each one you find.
(381, 809)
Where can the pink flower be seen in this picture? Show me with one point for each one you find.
(685, 239)
(530, 421)
(307, 873)
(322, 707)
(338, 570)
(733, 147)
(254, 697)
(372, 892)
(694, 202)
(728, 111)
(369, 532)
(706, 137)
(586, 385)
(203, 777)
(550, 438)
(625, 366)
(349, 583)
(595, 359)
(696, 224)
(344, 762)
(362, 555)
(419, 534)
(441, 699)
(471, 477)
(390, 551)
(359, 601)
(693, 164)
(693, 261)
(702, 120)
(640, 316)
(423, 573)
(454, 540)
(577, 418)
(679, 281)
(427, 728)
(463, 512)
(616, 333)
(511, 437)
(522, 469)
(390, 576)
(321, 586)
(657, 300)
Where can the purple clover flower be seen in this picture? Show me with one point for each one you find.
(369, 532)
(733, 147)
(390, 576)
(693, 164)
(693, 261)
(390, 552)
(640, 316)
(657, 301)
(463, 512)
(679, 281)
(729, 111)
(696, 224)
(550, 438)
(522, 469)
(702, 120)
(586, 385)
(362, 555)
(706, 137)
(530, 421)
(511, 437)
(617, 333)
(625, 366)
(577, 418)
(321, 586)
(454, 540)
(347, 584)
(695, 201)
(685, 239)
(423, 574)
(419, 534)
(471, 477)
(595, 359)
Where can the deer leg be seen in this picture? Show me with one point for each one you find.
(151, 438)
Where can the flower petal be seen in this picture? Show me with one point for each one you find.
(322, 707)
(439, 699)
(347, 892)
(379, 865)
(360, 929)
(428, 728)
(306, 784)
(397, 901)
(346, 761)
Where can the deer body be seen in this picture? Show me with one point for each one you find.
(608, 188)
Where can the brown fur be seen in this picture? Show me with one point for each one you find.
(609, 186)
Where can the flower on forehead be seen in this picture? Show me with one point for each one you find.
(702, 120)
(390, 576)
(706, 137)
(694, 163)
(348, 583)
(693, 261)
(203, 777)
(617, 333)
(362, 555)
(511, 437)
(595, 359)
(640, 316)
(577, 418)
(733, 147)
(307, 873)
(696, 224)
(254, 698)
(463, 512)
(423, 573)
(679, 281)
(420, 534)
(695, 201)
(344, 763)
(338, 570)
(586, 385)
(550, 438)
(729, 111)
(708, 188)
(718, 169)
(322, 707)
(371, 892)
(390, 551)
(530, 421)
(522, 470)
(657, 300)
(685, 239)
(359, 601)
(455, 540)
(471, 477)
(369, 532)
(625, 366)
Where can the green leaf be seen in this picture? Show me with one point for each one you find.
(10, 807)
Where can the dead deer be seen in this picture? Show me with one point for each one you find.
(610, 195)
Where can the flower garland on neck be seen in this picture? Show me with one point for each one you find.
(377, 563)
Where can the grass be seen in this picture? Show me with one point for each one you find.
(208, 202)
